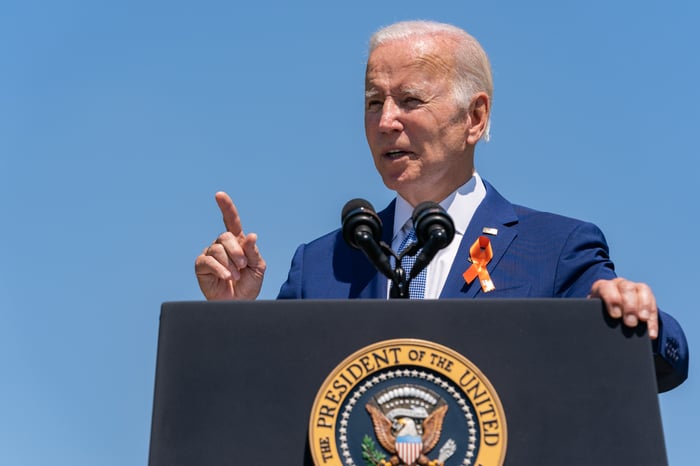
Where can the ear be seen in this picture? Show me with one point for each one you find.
(479, 111)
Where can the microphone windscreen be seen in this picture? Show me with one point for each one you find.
(428, 216)
(355, 204)
(424, 208)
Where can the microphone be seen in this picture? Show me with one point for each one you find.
(362, 229)
(434, 230)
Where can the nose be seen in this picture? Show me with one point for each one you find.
(389, 119)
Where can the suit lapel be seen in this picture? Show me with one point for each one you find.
(493, 212)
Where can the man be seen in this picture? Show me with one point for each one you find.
(428, 94)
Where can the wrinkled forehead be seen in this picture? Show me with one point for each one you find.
(421, 58)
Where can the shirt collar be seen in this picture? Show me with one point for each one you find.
(460, 205)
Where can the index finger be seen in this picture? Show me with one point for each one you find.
(231, 219)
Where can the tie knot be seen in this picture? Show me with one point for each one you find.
(409, 238)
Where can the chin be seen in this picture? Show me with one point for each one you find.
(395, 183)
(403, 187)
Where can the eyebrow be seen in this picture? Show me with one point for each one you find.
(413, 91)
(369, 93)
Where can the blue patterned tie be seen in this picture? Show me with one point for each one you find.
(416, 288)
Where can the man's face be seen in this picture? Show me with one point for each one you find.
(416, 132)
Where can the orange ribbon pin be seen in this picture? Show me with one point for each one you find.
(480, 254)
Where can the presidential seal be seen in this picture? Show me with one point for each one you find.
(407, 402)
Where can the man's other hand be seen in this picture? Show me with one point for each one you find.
(633, 302)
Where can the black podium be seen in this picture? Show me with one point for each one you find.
(236, 381)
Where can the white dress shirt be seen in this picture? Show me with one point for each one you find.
(460, 205)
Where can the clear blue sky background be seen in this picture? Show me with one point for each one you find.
(120, 120)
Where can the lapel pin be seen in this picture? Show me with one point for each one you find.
(490, 231)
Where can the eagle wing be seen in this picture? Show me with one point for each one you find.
(382, 428)
(432, 427)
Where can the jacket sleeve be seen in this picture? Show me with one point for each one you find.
(671, 354)
(585, 259)
(292, 288)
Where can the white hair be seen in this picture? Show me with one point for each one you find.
(473, 71)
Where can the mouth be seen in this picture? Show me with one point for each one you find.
(397, 154)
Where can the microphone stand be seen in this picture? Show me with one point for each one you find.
(399, 284)
(399, 280)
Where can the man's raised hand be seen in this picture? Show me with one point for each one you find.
(231, 267)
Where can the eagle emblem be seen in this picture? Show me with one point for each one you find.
(407, 422)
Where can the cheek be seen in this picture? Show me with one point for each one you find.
(370, 130)
(372, 136)
(368, 127)
(371, 121)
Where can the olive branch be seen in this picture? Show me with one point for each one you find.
(370, 455)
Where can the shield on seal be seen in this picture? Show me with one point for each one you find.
(408, 447)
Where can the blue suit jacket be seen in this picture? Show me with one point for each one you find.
(535, 254)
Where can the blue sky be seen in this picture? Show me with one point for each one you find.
(120, 120)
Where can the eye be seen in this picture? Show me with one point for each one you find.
(412, 102)
(374, 105)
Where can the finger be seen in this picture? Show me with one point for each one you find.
(208, 264)
(248, 287)
(630, 302)
(252, 253)
(645, 302)
(228, 210)
(232, 248)
(648, 311)
(653, 325)
(219, 254)
(607, 291)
